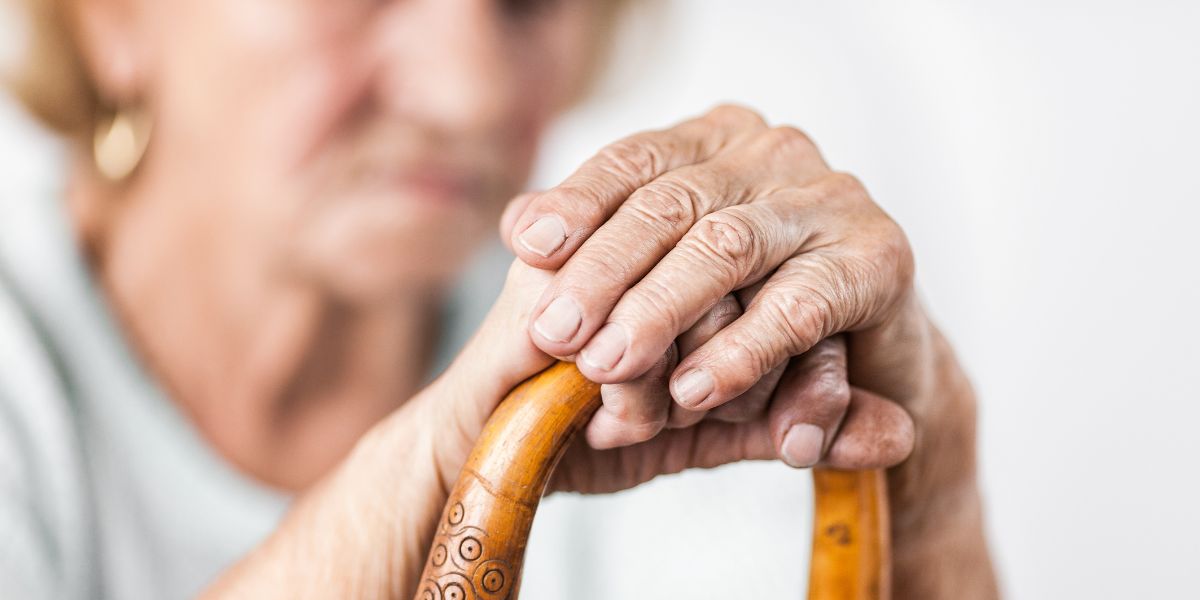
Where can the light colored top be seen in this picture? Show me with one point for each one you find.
(106, 489)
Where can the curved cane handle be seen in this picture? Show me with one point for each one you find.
(479, 547)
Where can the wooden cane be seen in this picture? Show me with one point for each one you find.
(479, 547)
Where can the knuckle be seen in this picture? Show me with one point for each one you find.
(887, 259)
(746, 361)
(802, 316)
(668, 202)
(636, 407)
(896, 252)
(639, 418)
(846, 185)
(581, 198)
(831, 386)
(728, 238)
(788, 139)
(885, 247)
(840, 286)
(736, 114)
(636, 157)
(850, 285)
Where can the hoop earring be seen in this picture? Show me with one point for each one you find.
(119, 143)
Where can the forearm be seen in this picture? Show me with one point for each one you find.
(939, 546)
(948, 556)
(361, 533)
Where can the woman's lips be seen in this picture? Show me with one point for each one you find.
(438, 186)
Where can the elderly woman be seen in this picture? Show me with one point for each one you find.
(230, 312)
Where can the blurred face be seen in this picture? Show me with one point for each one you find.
(365, 145)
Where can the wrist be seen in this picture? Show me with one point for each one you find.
(397, 489)
(365, 531)
(906, 359)
(942, 467)
(939, 546)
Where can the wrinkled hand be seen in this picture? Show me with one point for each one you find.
(705, 264)
(873, 431)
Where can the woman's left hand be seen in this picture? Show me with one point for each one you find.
(659, 230)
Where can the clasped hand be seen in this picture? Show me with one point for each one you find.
(705, 275)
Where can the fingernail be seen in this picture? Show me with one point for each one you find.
(606, 348)
(544, 236)
(802, 445)
(559, 321)
(692, 387)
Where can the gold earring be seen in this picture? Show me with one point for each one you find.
(120, 143)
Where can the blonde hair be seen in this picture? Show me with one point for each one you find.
(50, 79)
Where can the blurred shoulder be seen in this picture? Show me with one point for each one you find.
(43, 516)
(37, 425)
(27, 365)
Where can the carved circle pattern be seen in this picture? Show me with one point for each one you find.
(493, 580)
(466, 572)
(430, 591)
(456, 513)
(454, 591)
(470, 548)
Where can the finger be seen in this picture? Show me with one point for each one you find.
(794, 310)
(649, 225)
(721, 314)
(724, 251)
(851, 283)
(634, 411)
(810, 402)
(724, 312)
(760, 393)
(557, 222)
(516, 207)
(753, 403)
(709, 444)
(875, 434)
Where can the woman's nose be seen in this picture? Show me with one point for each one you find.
(447, 63)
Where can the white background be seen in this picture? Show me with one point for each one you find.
(1044, 158)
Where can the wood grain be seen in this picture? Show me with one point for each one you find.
(851, 558)
(479, 547)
